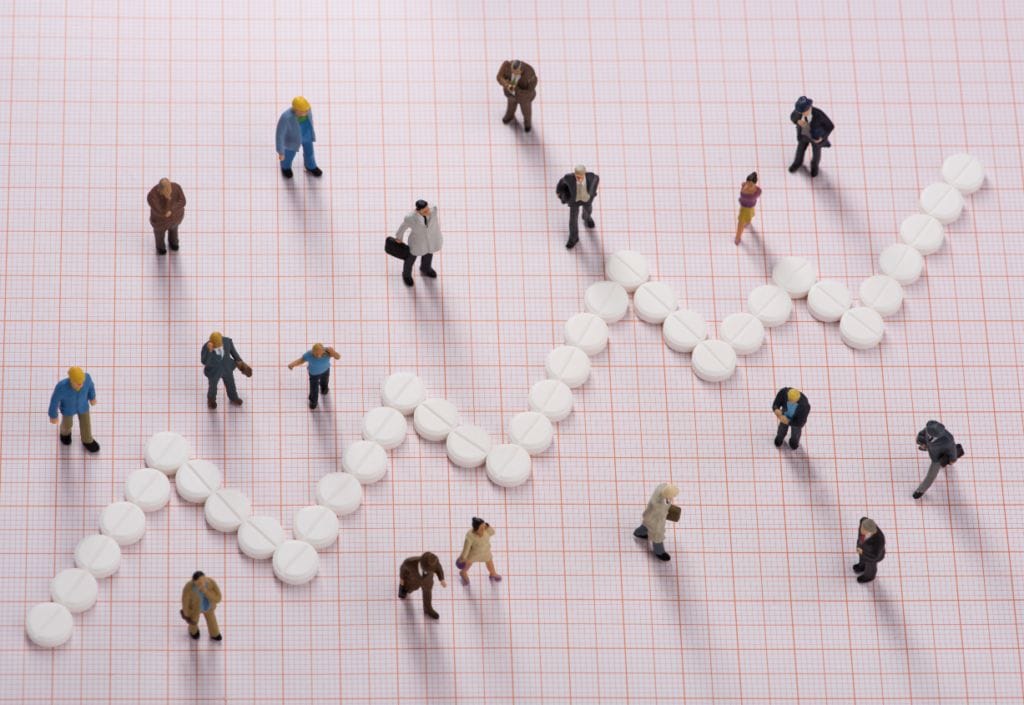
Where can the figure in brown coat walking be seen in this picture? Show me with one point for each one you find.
(410, 579)
(166, 211)
(200, 596)
(519, 83)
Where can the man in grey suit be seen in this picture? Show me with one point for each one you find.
(578, 191)
(220, 358)
(424, 227)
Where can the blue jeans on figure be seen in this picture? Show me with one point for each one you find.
(308, 158)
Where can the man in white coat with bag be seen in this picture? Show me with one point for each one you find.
(424, 227)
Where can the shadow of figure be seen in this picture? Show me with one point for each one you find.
(832, 195)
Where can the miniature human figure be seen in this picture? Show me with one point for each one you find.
(200, 596)
(812, 128)
(578, 191)
(655, 516)
(294, 128)
(166, 211)
(518, 81)
(749, 193)
(477, 549)
(791, 409)
(73, 397)
(410, 579)
(942, 450)
(424, 226)
(319, 361)
(220, 358)
(870, 549)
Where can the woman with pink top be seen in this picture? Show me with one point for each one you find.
(749, 193)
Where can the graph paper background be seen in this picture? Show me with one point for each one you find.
(672, 104)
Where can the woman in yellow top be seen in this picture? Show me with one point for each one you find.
(477, 549)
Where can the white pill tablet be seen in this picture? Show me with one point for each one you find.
(403, 391)
(587, 332)
(468, 446)
(568, 364)
(260, 536)
(366, 461)
(124, 522)
(74, 588)
(435, 418)
(148, 488)
(922, 232)
(316, 525)
(743, 331)
(796, 276)
(942, 201)
(296, 562)
(963, 172)
(882, 293)
(683, 330)
(713, 360)
(771, 304)
(167, 451)
(385, 426)
(608, 300)
(828, 300)
(654, 301)
(98, 554)
(901, 262)
(861, 328)
(532, 430)
(627, 268)
(226, 510)
(508, 465)
(339, 492)
(49, 624)
(551, 397)
(196, 480)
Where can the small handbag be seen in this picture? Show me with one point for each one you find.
(191, 623)
(674, 512)
(460, 564)
(398, 250)
(244, 368)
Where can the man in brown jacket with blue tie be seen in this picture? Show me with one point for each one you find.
(200, 596)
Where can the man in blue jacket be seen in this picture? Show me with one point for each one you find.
(73, 397)
(294, 128)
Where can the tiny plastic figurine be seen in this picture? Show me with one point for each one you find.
(73, 397)
(477, 549)
(518, 81)
(942, 450)
(578, 191)
(659, 510)
(812, 128)
(424, 226)
(220, 359)
(319, 361)
(791, 409)
(410, 579)
(749, 193)
(870, 549)
(200, 596)
(294, 128)
(166, 211)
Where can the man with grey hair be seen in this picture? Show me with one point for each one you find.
(870, 549)
(518, 81)
(578, 191)
(166, 211)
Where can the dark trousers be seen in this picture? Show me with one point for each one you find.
(158, 235)
(574, 216)
(870, 568)
(427, 596)
(794, 437)
(526, 106)
(229, 386)
(318, 384)
(801, 149)
(411, 259)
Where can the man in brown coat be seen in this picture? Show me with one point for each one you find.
(411, 579)
(166, 211)
(200, 596)
(519, 83)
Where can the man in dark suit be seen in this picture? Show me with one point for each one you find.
(519, 83)
(578, 191)
(942, 449)
(411, 579)
(812, 128)
(870, 549)
(220, 358)
(791, 409)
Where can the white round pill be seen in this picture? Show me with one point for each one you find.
(124, 522)
(531, 430)
(744, 332)
(606, 299)
(568, 364)
(468, 446)
(339, 492)
(627, 268)
(654, 301)
(901, 262)
(385, 426)
(587, 332)
(316, 525)
(260, 536)
(713, 360)
(922, 232)
(148, 488)
(963, 172)
(861, 328)
(403, 391)
(796, 276)
(508, 465)
(366, 461)
(771, 304)
(49, 624)
(435, 418)
(551, 397)
(683, 330)
(828, 300)
(296, 562)
(226, 510)
(943, 202)
(197, 479)
(98, 554)
(74, 588)
(882, 293)
(166, 451)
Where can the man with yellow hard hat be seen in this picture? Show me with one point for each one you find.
(73, 397)
(791, 409)
(293, 129)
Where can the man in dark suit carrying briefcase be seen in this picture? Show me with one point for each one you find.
(812, 128)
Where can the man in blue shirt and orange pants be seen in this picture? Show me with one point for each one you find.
(73, 397)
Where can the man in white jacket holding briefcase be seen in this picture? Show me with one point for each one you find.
(424, 227)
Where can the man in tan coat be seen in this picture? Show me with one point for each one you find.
(655, 516)
(519, 83)
(200, 596)
(411, 579)
(166, 211)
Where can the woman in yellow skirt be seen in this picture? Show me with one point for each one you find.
(749, 193)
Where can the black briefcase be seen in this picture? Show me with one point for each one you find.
(396, 249)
